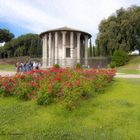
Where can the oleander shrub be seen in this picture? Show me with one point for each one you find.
(43, 98)
(26, 90)
(7, 85)
(65, 85)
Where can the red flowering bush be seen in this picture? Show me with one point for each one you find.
(7, 85)
(26, 90)
(57, 84)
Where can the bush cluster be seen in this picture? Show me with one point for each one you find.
(119, 58)
(65, 85)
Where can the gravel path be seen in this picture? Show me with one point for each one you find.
(7, 73)
(127, 75)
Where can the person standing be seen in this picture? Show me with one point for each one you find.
(34, 65)
(17, 67)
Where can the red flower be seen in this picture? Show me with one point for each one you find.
(57, 79)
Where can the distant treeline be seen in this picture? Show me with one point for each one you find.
(24, 45)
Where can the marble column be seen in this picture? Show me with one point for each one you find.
(52, 49)
(63, 47)
(50, 53)
(71, 45)
(86, 50)
(56, 48)
(78, 47)
(43, 52)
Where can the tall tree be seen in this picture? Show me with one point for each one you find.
(93, 50)
(25, 45)
(120, 31)
(5, 35)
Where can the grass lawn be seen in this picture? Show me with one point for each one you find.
(114, 115)
(128, 71)
(7, 67)
(132, 67)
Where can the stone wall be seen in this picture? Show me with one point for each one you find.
(97, 62)
(94, 62)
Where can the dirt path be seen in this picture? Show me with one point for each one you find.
(7, 73)
(127, 75)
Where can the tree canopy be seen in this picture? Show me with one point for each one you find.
(120, 31)
(24, 45)
(5, 35)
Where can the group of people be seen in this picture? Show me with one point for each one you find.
(27, 66)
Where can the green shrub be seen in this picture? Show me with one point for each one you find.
(87, 89)
(112, 65)
(75, 90)
(43, 98)
(57, 66)
(25, 91)
(120, 58)
(78, 66)
(71, 97)
(100, 83)
(47, 94)
(1, 91)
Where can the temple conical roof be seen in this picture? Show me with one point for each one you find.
(65, 29)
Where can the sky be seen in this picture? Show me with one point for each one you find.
(36, 16)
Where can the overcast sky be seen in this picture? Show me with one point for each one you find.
(36, 16)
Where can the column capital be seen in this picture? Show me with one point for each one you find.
(78, 34)
(71, 33)
(56, 33)
(86, 36)
(71, 37)
(50, 34)
(64, 32)
(43, 38)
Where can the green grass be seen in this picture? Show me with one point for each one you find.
(7, 67)
(114, 115)
(128, 71)
(132, 67)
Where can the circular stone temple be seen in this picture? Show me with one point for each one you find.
(65, 46)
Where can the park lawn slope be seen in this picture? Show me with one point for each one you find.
(132, 67)
(113, 115)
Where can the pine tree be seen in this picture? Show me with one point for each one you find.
(93, 50)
